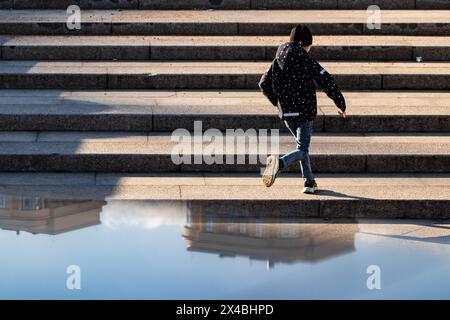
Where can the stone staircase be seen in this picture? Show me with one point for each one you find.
(224, 4)
(104, 100)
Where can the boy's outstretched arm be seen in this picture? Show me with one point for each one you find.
(328, 84)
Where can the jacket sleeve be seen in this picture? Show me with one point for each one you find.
(327, 83)
(266, 86)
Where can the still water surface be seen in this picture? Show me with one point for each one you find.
(179, 250)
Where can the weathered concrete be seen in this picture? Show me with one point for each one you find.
(374, 48)
(224, 22)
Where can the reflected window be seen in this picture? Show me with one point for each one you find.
(289, 231)
(31, 203)
(243, 228)
(209, 223)
(231, 227)
(3, 201)
(258, 228)
(189, 219)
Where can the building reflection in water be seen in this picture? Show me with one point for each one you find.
(206, 229)
(275, 240)
(39, 215)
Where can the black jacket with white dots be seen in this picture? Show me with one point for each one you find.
(289, 83)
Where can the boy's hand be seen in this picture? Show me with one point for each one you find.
(342, 114)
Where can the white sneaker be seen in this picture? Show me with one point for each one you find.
(272, 168)
(310, 187)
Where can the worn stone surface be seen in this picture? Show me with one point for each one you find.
(53, 81)
(230, 16)
(125, 152)
(431, 53)
(6, 4)
(225, 22)
(225, 4)
(383, 4)
(340, 196)
(210, 75)
(71, 52)
(6, 136)
(384, 135)
(418, 209)
(417, 29)
(84, 4)
(439, 82)
(432, 4)
(42, 179)
(293, 4)
(170, 110)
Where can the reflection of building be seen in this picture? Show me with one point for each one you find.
(38, 215)
(273, 240)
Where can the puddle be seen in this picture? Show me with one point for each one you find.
(141, 249)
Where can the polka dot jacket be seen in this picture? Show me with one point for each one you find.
(289, 83)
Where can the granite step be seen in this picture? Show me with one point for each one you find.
(158, 152)
(413, 196)
(47, 110)
(212, 75)
(224, 4)
(224, 22)
(356, 48)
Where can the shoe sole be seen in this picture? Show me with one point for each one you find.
(270, 174)
(309, 190)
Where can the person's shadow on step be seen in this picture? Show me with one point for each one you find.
(331, 193)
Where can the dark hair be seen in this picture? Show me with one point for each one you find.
(301, 33)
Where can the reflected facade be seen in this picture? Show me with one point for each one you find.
(276, 240)
(39, 215)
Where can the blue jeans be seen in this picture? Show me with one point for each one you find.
(302, 132)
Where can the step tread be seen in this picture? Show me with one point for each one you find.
(224, 16)
(204, 110)
(253, 103)
(419, 97)
(213, 67)
(227, 4)
(225, 41)
(159, 143)
(210, 186)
